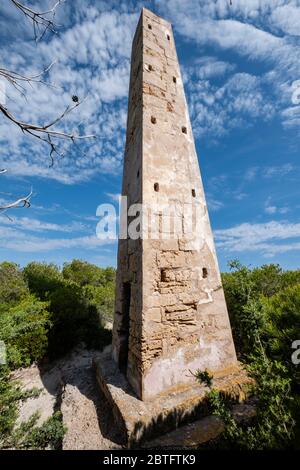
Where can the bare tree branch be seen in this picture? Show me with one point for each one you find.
(42, 21)
(16, 79)
(46, 133)
(21, 202)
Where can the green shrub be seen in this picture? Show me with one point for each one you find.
(247, 292)
(48, 435)
(11, 394)
(24, 330)
(74, 319)
(13, 287)
(102, 298)
(84, 273)
(42, 278)
(273, 426)
(264, 309)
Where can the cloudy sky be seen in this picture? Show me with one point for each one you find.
(241, 69)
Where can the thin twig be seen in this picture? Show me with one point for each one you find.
(40, 19)
(16, 79)
(46, 133)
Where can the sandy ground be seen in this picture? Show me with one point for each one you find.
(69, 385)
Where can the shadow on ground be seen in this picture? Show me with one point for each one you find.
(69, 386)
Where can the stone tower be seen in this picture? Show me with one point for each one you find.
(170, 316)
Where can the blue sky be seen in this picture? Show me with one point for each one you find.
(241, 69)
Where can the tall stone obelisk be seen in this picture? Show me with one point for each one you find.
(171, 317)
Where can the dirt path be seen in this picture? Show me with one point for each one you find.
(69, 385)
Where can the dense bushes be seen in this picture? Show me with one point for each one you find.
(48, 311)
(42, 278)
(13, 286)
(45, 312)
(84, 273)
(264, 309)
(24, 329)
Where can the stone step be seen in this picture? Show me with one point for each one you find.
(194, 434)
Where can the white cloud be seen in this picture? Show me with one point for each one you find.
(270, 209)
(92, 59)
(93, 53)
(208, 67)
(287, 19)
(240, 101)
(264, 238)
(269, 172)
(278, 171)
(214, 204)
(249, 29)
(273, 209)
(36, 225)
(21, 241)
(251, 173)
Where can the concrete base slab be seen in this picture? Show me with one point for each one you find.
(142, 420)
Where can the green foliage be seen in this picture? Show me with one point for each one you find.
(13, 287)
(204, 377)
(102, 298)
(44, 311)
(84, 273)
(27, 435)
(264, 309)
(250, 297)
(24, 329)
(10, 395)
(75, 320)
(282, 313)
(42, 278)
(48, 435)
(80, 298)
(273, 425)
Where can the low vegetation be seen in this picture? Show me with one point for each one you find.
(44, 313)
(264, 309)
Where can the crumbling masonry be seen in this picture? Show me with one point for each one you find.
(170, 317)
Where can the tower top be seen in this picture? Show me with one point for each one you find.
(150, 13)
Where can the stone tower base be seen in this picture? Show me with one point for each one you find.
(142, 420)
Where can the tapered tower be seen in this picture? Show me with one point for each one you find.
(170, 316)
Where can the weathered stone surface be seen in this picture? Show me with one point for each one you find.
(171, 316)
(199, 432)
(139, 420)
